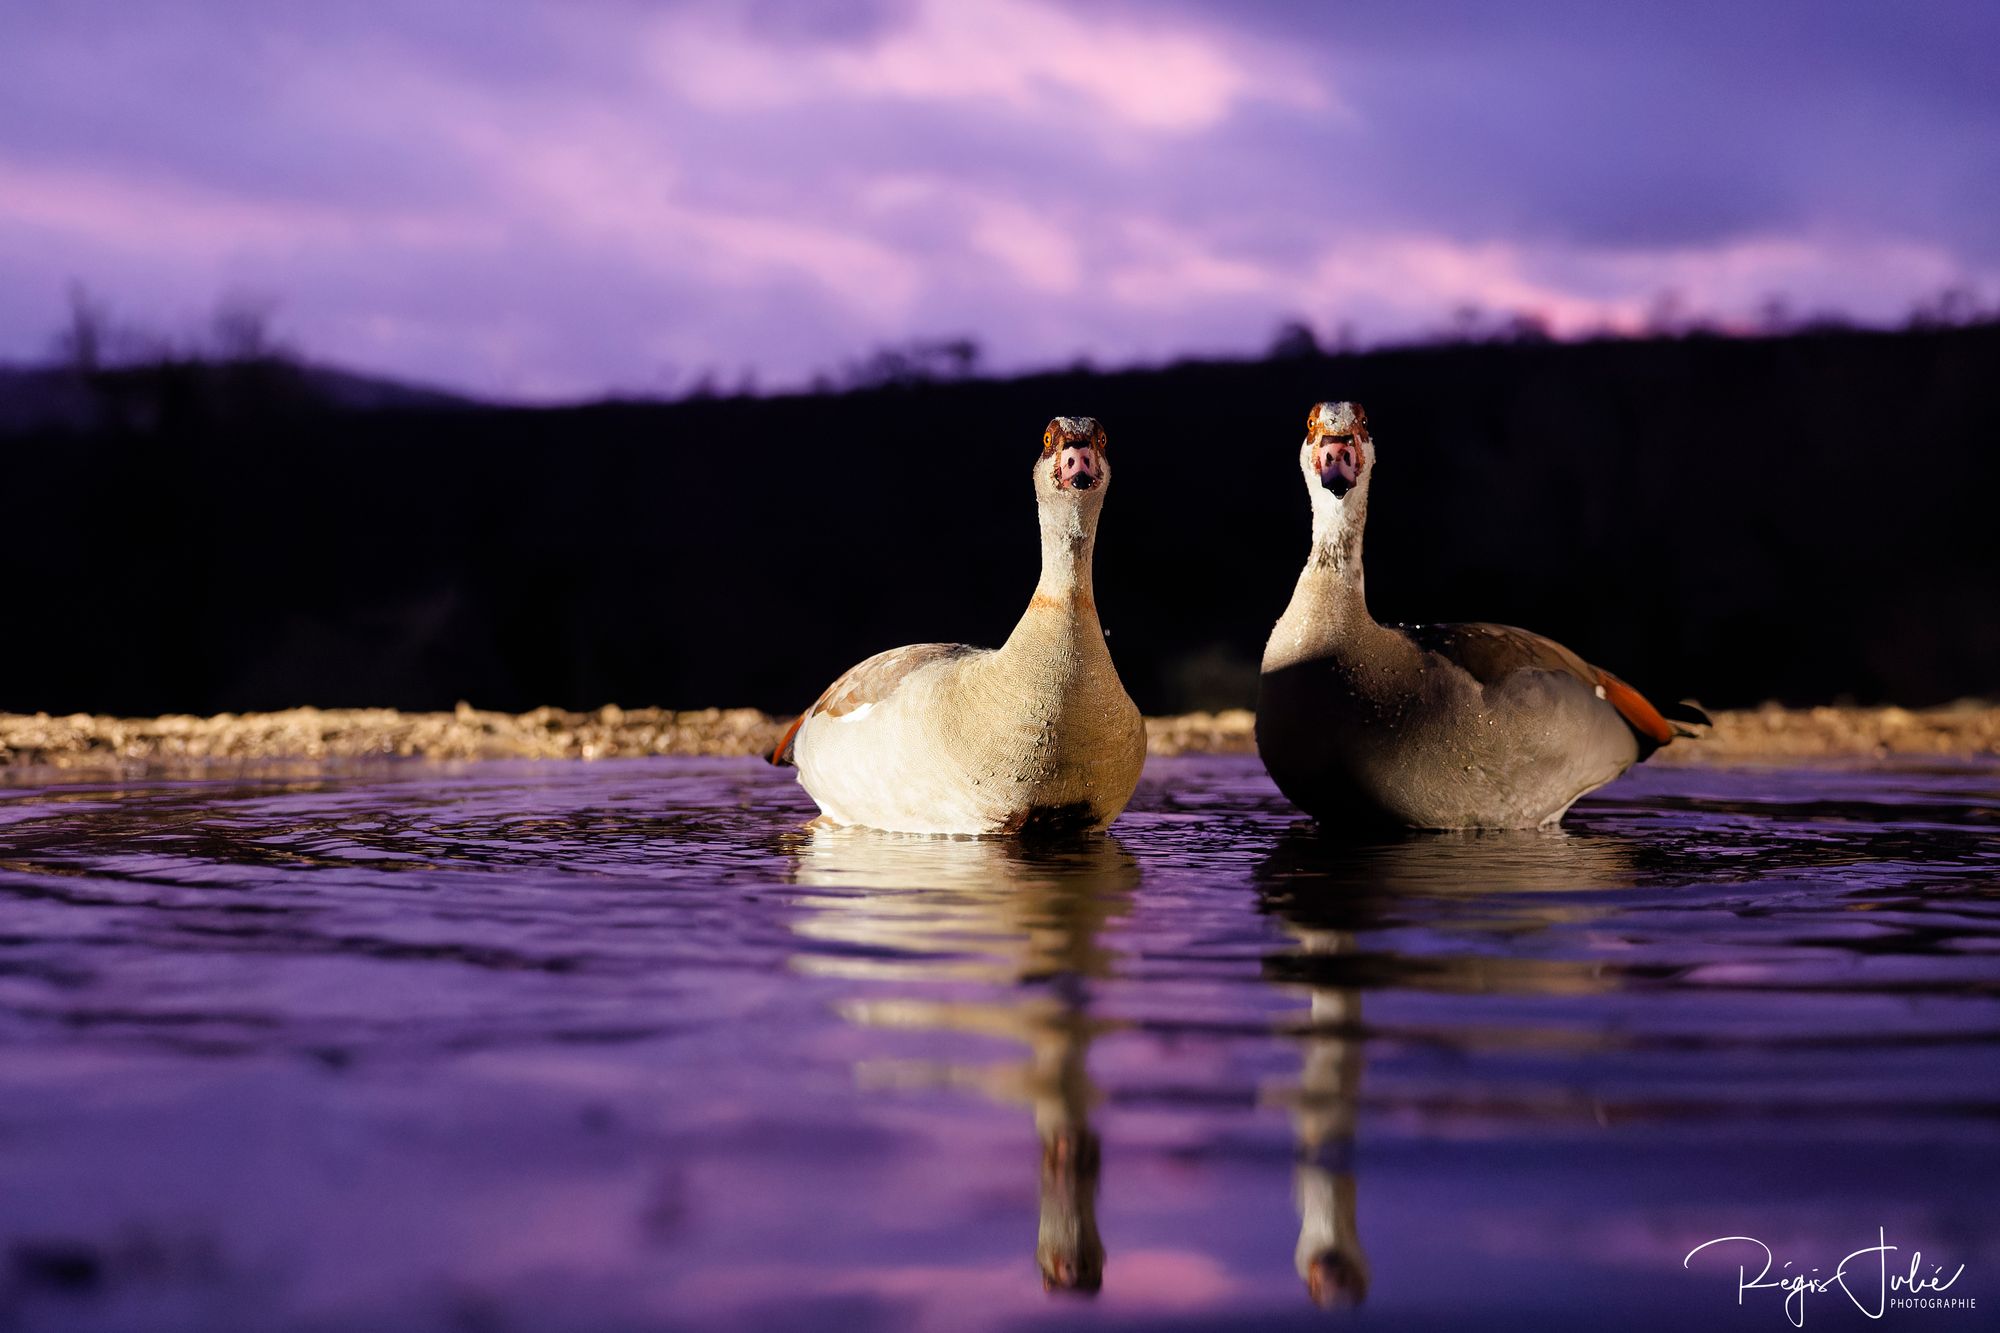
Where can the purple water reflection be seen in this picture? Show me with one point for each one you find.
(617, 1046)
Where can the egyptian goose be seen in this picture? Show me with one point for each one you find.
(1032, 921)
(1427, 726)
(1036, 736)
(1324, 1108)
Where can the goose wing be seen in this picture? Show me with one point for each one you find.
(1491, 653)
(867, 684)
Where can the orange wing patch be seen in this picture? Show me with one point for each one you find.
(783, 753)
(1636, 709)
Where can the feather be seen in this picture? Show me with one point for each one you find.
(1687, 713)
(783, 753)
(1636, 709)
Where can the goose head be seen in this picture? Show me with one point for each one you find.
(1338, 453)
(1074, 468)
(1336, 1278)
(1338, 458)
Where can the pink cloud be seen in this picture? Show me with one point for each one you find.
(1040, 60)
(572, 203)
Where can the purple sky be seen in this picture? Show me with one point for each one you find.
(544, 200)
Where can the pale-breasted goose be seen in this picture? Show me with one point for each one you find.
(1426, 726)
(1036, 736)
(995, 912)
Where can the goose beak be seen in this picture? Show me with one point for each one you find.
(1079, 468)
(1338, 463)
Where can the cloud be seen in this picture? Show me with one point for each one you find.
(176, 222)
(1021, 57)
(600, 186)
(1579, 292)
(561, 200)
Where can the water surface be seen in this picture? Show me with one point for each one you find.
(617, 1045)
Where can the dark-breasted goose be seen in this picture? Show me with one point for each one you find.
(1427, 726)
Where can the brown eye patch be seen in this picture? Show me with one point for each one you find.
(1327, 418)
(1065, 432)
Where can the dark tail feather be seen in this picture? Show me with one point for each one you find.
(1687, 713)
(783, 753)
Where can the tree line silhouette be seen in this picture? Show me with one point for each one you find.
(1802, 516)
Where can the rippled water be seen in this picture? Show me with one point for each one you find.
(617, 1045)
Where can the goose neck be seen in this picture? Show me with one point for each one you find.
(1061, 619)
(1333, 569)
(1069, 544)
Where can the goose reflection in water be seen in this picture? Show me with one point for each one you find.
(1327, 893)
(926, 910)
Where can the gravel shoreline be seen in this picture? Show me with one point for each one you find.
(310, 735)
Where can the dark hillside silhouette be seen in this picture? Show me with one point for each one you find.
(1802, 517)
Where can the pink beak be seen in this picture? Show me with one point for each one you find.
(1338, 463)
(1078, 469)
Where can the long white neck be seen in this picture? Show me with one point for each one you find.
(1335, 561)
(1327, 1220)
(1069, 540)
(1330, 602)
(1062, 615)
